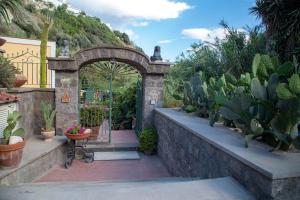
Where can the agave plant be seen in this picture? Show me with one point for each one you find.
(48, 115)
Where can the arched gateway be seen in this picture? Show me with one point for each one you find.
(67, 80)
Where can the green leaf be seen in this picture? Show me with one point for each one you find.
(258, 90)
(228, 114)
(283, 92)
(255, 64)
(294, 83)
(248, 138)
(19, 132)
(285, 69)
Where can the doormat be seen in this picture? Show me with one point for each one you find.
(117, 155)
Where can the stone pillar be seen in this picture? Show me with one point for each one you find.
(153, 86)
(66, 99)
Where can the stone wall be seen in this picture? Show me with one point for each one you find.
(152, 97)
(189, 147)
(29, 107)
(68, 112)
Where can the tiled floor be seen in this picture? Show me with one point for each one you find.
(148, 167)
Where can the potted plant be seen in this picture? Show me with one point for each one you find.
(48, 131)
(76, 132)
(92, 117)
(11, 147)
(7, 73)
(148, 141)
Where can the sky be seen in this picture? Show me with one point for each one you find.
(172, 24)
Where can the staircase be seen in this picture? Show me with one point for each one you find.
(165, 189)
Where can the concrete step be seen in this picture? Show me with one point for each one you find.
(211, 189)
(112, 147)
(116, 155)
(38, 157)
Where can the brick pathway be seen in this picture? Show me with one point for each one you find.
(148, 167)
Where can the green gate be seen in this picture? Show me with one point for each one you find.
(139, 105)
(93, 112)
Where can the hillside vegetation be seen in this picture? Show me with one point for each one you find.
(80, 30)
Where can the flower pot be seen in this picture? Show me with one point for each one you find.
(48, 135)
(78, 136)
(11, 155)
(2, 42)
(20, 80)
(95, 133)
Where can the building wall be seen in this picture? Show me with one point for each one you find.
(25, 55)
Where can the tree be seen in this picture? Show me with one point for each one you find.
(282, 21)
(8, 7)
(46, 25)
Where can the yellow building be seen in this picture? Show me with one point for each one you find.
(25, 55)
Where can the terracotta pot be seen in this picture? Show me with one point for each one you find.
(48, 135)
(78, 136)
(20, 80)
(11, 155)
(2, 42)
(94, 133)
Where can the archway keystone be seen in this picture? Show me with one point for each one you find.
(67, 70)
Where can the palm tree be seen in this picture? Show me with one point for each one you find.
(282, 21)
(9, 7)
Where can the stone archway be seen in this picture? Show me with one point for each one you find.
(67, 80)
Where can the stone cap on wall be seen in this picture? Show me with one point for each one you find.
(274, 165)
(126, 55)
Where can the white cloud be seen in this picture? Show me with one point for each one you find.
(140, 24)
(125, 12)
(205, 34)
(164, 41)
(131, 34)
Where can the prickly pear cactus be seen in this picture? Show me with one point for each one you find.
(294, 84)
(283, 91)
(256, 127)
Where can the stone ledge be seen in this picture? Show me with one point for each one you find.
(27, 90)
(275, 165)
(35, 150)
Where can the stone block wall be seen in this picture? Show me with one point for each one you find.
(187, 152)
(153, 86)
(29, 107)
(67, 113)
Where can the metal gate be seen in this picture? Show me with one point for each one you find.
(94, 111)
(139, 105)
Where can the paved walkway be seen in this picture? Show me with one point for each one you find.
(148, 167)
(212, 189)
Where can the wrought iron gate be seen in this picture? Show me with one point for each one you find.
(139, 105)
(94, 111)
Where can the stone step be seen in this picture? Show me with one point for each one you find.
(210, 189)
(39, 156)
(112, 147)
(116, 155)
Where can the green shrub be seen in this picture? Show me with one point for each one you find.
(92, 116)
(7, 73)
(148, 140)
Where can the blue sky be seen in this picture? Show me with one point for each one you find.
(174, 25)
